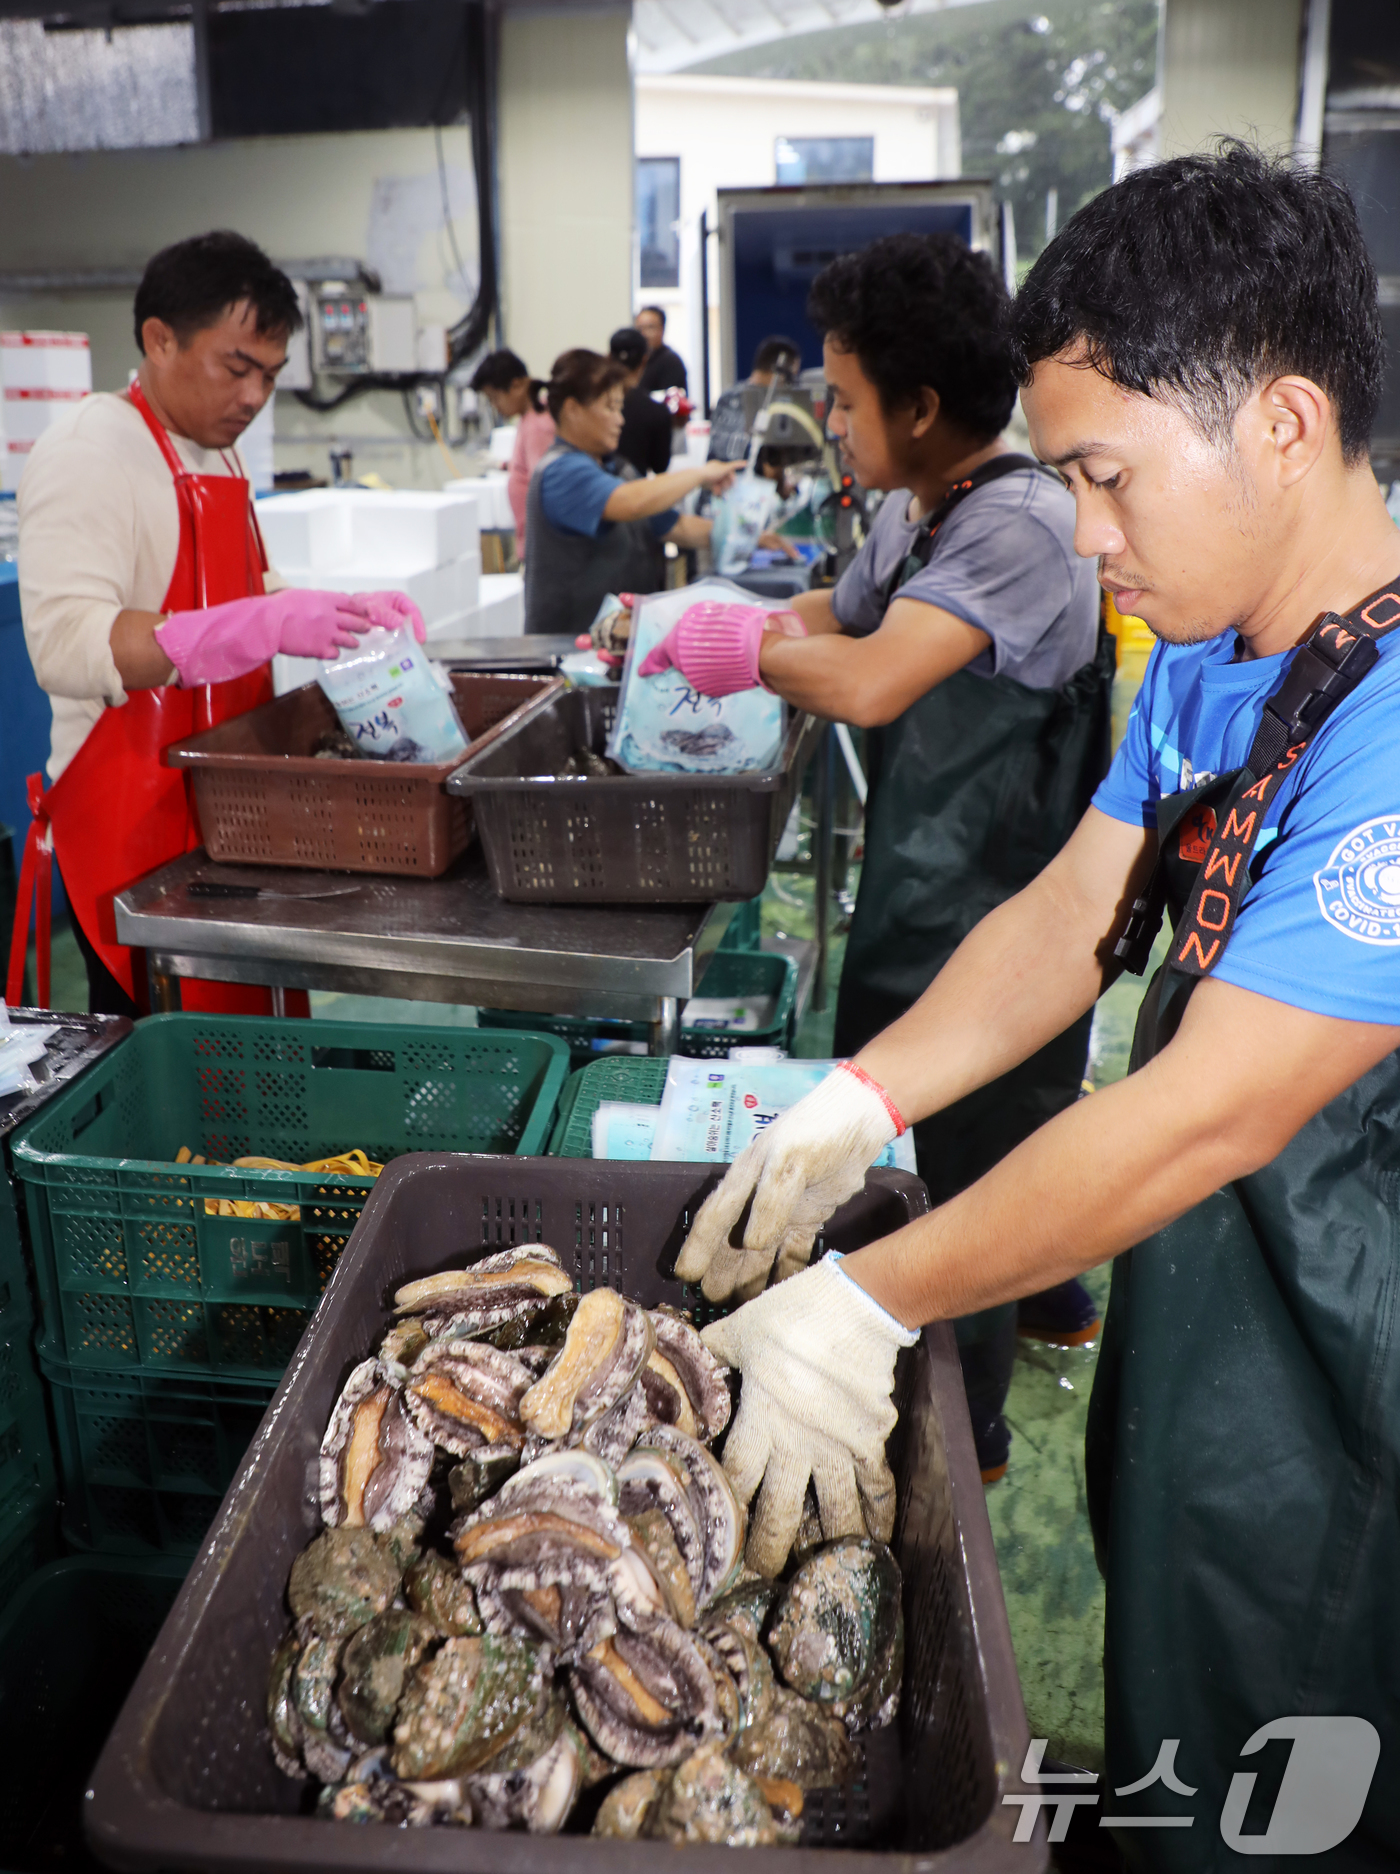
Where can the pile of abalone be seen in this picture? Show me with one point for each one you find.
(529, 1601)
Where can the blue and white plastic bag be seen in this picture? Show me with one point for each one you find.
(664, 726)
(394, 703)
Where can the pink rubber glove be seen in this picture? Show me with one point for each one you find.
(715, 646)
(225, 641)
(391, 610)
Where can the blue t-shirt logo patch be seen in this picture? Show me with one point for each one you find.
(1358, 889)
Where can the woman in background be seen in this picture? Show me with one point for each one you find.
(516, 397)
(596, 526)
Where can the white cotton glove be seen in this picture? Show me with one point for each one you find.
(817, 1356)
(799, 1170)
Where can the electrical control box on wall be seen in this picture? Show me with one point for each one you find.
(354, 334)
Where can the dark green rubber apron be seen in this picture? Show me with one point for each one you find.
(1245, 1419)
(972, 791)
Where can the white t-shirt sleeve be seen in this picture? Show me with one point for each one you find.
(77, 566)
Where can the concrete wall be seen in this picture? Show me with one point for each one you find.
(564, 115)
(371, 195)
(724, 130)
(1229, 67)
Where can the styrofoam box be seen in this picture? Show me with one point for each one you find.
(289, 673)
(492, 499)
(437, 591)
(13, 456)
(430, 587)
(26, 413)
(502, 605)
(466, 582)
(414, 528)
(501, 613)
(46, 360)
(403, 531)
(307, 529)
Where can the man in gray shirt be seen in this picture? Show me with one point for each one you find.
(1005, 566)
(965, 639)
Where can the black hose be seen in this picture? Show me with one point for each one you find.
(477, 45)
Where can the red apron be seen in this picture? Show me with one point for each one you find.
(117, 811)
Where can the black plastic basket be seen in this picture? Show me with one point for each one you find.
(71, 1642)
(187, 1779)
(622, 839)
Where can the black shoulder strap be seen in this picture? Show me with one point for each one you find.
(1325, 669)
(921, 546)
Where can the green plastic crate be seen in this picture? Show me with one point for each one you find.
(146, 1459)
(638, 1078)
(731, 973)
(26, 1458)
(135, 1265)
(28, 1539)
(744, 932)
(71, 1644)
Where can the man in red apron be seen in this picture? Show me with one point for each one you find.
(146, 611)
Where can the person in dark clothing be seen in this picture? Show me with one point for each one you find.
(729, 433)
(964, 638)
(664, 369)
(596, 526)
(646, 425)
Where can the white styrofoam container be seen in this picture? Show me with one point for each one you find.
(492, 501)
(466, 582)
(46, 360)
(13, 456)
(26, 412)
(289, 673)
(501, 446)
(502, 605)
(413, 528)
(500, 614)
(401, 532)
(307, 530)
(430, 587)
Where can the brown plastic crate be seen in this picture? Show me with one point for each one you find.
(187, 1779)
(622, 839)
(264, 798)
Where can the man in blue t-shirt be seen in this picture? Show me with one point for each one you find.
(1201, 357)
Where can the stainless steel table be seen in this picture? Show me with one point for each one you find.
(449, 939)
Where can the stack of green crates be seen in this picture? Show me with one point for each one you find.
(28, 1481)
(173, 1295)
(73, 1637)
(27, 1484)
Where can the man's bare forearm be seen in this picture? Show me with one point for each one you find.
(140, 662)
(1028, 970)
(1239, 1079)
